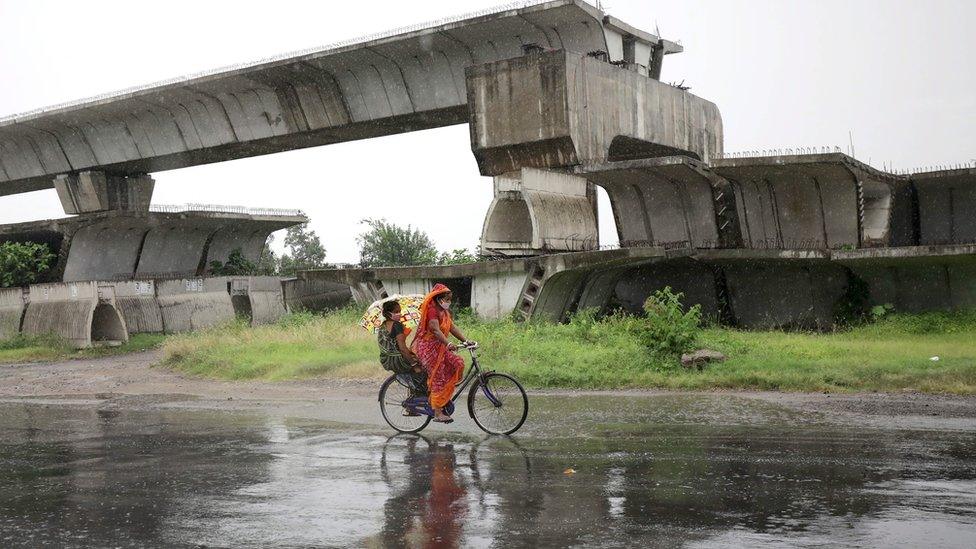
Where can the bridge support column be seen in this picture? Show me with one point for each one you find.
(538, 211)
(94, 191)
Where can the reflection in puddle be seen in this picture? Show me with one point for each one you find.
(76, 477)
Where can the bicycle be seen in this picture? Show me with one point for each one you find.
(501, 409)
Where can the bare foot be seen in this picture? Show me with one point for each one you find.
(441, 417)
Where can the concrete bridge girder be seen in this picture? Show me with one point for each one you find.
(818, 201)
(795, 205)
(86, 313)
(535, 211)
(136, 301)
(314, 295)
(106, 250)
(122, 245)
(193, 304)
(697, 280)
(946, 200)
(12, 306)
(386, 85)
(81, 313)
(914, 281)
(661, 201)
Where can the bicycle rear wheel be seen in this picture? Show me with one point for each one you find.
(392, 395)
(498, 404)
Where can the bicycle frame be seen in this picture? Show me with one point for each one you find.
(474, 371)
(423, 406)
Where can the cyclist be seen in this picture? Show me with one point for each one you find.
(436, 352)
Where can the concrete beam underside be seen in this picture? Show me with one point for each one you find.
(400, 83)
(126, 245)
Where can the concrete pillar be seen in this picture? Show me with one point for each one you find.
(94, 191)
(537, 211)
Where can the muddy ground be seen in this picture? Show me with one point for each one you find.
(133, 381)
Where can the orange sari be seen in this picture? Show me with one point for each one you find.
(444, 368)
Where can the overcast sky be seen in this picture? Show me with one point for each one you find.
(900, 75)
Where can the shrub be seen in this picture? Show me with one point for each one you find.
(23, 263)
(669, 329)
(237, 265)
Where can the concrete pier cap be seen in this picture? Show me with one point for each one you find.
(559, 109)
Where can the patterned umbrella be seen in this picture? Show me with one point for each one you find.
(409, 312)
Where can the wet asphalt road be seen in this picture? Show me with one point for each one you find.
(636, 471)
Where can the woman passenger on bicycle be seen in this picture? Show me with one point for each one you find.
(395, 355)
(436, 352)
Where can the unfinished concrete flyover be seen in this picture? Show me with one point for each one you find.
(167, 241)
(560, 98)
(394, 83)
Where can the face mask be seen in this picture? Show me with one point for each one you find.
(446, 305)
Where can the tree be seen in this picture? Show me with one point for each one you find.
(237, 265)
(457, 256)
(388, 245)
(268, 263)
(306, 251)
(23, 263)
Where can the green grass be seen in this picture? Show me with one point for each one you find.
(37, 349)
(892, 354)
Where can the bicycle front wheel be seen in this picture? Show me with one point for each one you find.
(392, 396)
(498, 404)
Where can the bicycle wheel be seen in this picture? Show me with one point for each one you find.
(392, 395)
(505, 410)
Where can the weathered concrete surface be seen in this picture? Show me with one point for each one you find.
(12, 307)
(816, 201)
(537, 211)
(124, 245)
(105, 250)
(946, 202)
(396, 83)
(796, 202)
(195, 303)
(494, 295)
(258, 298)
(758, 289)
(136, 301)
(561, 109)
(917, 279)
(95, 191)
(314, 295)
(81, 313)
(696, 280)
(175, 248)
(664, 201)
(249, 237)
